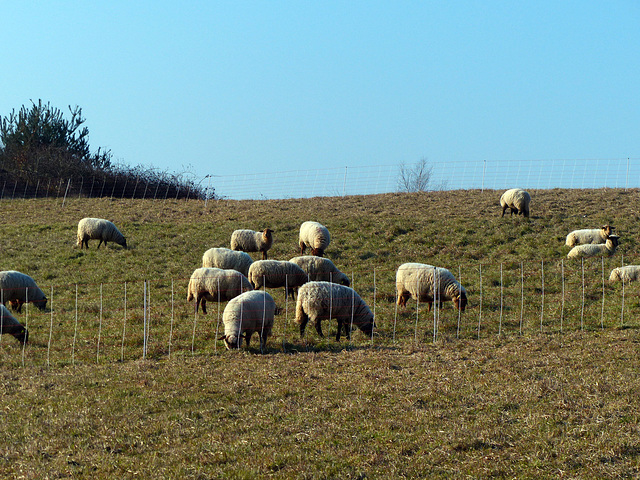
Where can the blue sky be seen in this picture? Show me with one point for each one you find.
(221, 87)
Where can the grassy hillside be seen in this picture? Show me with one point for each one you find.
(558, 399)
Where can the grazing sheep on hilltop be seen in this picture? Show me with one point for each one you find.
(628, 273)
(250, 241)
(315, 236)
(99, 229)
(517, 200)
(18, 288)
(275, 274)
(416, 280)
(211, 283)
(320, 269)
(323, 301)
(9, 324)
(245, 314)
(602, 250)
(589, 236)
(227, 260)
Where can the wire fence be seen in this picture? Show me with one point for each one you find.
(341, 181)
(114, 322)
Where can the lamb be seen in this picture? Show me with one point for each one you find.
(99, 229)
(321, 269)
(590, 250)
(211, 283)
(275, 274)
(589, 236)
(315, 236)
(415, 280)
(517, 200)
(9, 324)
(18, 288)
(324, 300)
(250, 241)
(227, 260)
(628, 273)
(247, 313)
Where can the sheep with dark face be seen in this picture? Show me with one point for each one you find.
(315, 236)
(99, 229)
(601, 250)
(427, 284)
(250, 241)
(9, 324)
(213, 284)
(517, 200)
(18, 288)
(319, 301)
(589, 236)
(245, 314)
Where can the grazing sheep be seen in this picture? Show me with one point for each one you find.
(250, 241)
(9, 324)
(320, 269)
(315, 236)
(601, 250)
(211, 283)
(324, 300)
(275, 274)
(99, 229)
(628, 273)
(415, 280)
(245, 314)
(589, 236)
(18, 288)
(517, 200)
(227, 260)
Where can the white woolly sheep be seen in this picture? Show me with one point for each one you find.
(324, 300)
(315, 236)
(9, 324)
(320, 269)
(245, 314)
(589, 236)
(415, 280)
(275, 274)
(628, 273)
(18, 288)
(517, 200)
(227, 259)
(250, 241)
(99, 229)
(601, 250)
(213, 283)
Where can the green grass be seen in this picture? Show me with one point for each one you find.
(558, 400)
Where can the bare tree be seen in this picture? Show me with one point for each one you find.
(415, 178)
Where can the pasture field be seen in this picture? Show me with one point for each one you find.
(537, 378)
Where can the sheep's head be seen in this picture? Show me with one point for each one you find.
(318, 252)
(267, 234)
(232, 342)
(460, 301)
(22, 336)
(608, 229)
(41, 304)
(613, 241)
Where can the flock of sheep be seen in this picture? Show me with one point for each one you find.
(321, 290)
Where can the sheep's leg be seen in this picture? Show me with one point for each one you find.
(504, 209)
(339, 330)
(247, 335)
(264, 254)
(303, 324)
(204, 305)
(302, 248)
(319, 327)
(347, 330)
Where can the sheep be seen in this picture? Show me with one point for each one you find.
(247, 313)
(628, 273)
(227, 259)
(250, 241)
(9, 324)
(315, 236)
(415, 280)
(590, 250)
(213, 283)
(275, 274)
(324, 300)
(99, 229)
(18, 288)
(589, 236)
(517, 200)
(321, 269)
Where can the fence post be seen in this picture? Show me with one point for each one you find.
(542, 306)
(562, 311)
(75, 332)
(582, 311)
(501, 299)
(480, 315)
(50, 328)
(459, 309)
(124, 323)
(602, 314)
(99, 329)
